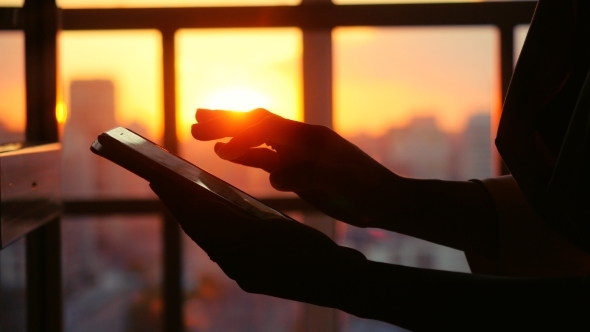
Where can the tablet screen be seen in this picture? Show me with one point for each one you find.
(192, 173)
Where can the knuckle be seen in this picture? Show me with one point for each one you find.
(260, 113)
(271, 120)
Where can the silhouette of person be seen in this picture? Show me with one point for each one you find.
(526, 236)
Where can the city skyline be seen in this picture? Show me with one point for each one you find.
(382, 76)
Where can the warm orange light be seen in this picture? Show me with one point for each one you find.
(237, 99)
(61, 112)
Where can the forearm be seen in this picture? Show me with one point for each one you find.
(420, 299)
(452, 213)
(429, 300)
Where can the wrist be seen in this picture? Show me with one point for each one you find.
(391, 198)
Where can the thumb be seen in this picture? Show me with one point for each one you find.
(309, 175)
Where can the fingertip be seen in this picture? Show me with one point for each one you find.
(204, 114)
(195, 131)
(218, 146)
(277, 182)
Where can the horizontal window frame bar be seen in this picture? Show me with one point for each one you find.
(106, 207)
(306, 16)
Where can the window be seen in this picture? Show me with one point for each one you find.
(150, 70)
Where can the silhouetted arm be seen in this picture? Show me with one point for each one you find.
(284, 258)
(429, 300)
(342, 181)
(457, 214)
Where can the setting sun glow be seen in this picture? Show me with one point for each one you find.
(61, 112)
(237, 99)
(238, 70)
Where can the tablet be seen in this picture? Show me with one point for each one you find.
(156, 164)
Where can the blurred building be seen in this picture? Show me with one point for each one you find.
(85, 175)
(105, 278)
(419, 150)
(476, 149)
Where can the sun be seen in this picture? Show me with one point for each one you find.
(61, 112)
(237, 99)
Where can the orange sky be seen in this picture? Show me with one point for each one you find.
(383, 77)
(239, 69)
(386, 76)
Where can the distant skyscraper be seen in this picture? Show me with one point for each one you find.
(476, 156)
(419, 150)
(85, 175)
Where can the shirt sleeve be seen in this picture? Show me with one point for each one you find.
(527, 247)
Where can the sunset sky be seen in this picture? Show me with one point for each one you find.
(187, 3)
(240, 70)
(382, 76)
(131, 59)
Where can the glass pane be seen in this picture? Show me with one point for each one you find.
(112, 273)
(110, 79)
(216, 303)
(238, 69)
(170, 3)
(12, 87)
(426, 96)
(13, 286)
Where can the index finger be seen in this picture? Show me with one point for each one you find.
(219, 124)
(273, 130)
(204, 114)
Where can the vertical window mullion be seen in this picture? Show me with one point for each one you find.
(43, 245)
(317, 109)
(506, 70)
(172, 241)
